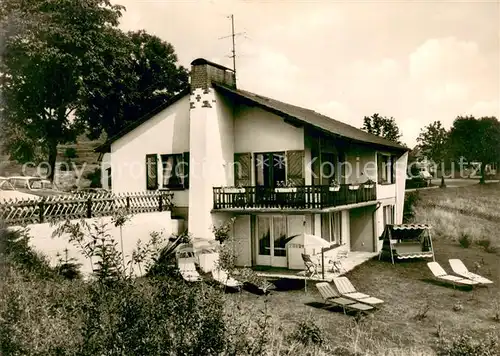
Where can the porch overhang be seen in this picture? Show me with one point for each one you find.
(289, 211)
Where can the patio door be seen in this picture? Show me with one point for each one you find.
(271, 239)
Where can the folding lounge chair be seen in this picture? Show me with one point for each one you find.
(331, 297)
(460, 269)
(223, 277)
(346, 289)
(311, 267)
(441, 274)
(188, 271)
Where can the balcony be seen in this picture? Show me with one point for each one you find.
(297, 198)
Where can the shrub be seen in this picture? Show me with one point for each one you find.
(465, 240)
(486, 244)
(411, 199)
(94, 177)
(465, 345)
(308, 333)
(70, 153)
(222, 232)
(15, 249)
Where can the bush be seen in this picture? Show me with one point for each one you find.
(308, 333)
(486, 244)
(465, 345)
(94, 177)
(70, 153)
(465, 240)
(411, 199)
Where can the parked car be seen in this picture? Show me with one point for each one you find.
(34, 185)
(8, 192)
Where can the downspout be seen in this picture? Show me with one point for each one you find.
(375, 237)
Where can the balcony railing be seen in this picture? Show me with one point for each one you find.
(303, 197)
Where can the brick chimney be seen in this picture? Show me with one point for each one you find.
(210, 143)
(204, 72)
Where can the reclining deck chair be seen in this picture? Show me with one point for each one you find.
(460, 269)
(332, 298)
(188, 270)
(224, 278)
(346, 289)
(440, 274)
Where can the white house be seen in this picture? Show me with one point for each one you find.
(226, 152)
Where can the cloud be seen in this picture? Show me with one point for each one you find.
(447, 59)
(486, 108)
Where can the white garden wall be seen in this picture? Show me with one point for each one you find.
(139, 227)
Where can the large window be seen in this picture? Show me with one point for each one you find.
(270, 169)
(331, 227)
(385, 169)
(175, 169)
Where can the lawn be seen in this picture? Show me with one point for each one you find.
(418, 311)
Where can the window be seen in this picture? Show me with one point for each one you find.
(270, 169)
(175, 170)
(331, 227)
(385, 169)
(109, 177)
(151, 172)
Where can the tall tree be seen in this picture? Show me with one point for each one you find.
(433, 141)
(49, 47)
(476, 140)
(382, 126)
(139, 76)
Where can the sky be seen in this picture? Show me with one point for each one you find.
(417, 61)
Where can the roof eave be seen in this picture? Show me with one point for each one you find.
(106, 146)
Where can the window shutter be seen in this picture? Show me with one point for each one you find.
(242, 169)
(295, 166)
(186, 170)
(151, 172)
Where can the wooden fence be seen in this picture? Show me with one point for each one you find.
(57, 208)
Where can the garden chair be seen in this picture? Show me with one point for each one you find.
(224, 278)
(188, 271)
(332, 298)
(440, 274)
(346, 289)
(338, 267)
(311, 267)
(460, 269)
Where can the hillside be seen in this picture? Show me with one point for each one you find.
(85, 159)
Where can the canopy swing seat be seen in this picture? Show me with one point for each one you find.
(407, 241)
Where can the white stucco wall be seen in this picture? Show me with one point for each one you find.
(401, 165)
(138, 228)
(256, 130)
(362, 163)
(165, 133)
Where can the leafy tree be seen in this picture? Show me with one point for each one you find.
(382, 126)
(476, 140)
(140, 77)
(433, 141)
(49, 47)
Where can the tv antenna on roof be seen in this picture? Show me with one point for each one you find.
(233, 35)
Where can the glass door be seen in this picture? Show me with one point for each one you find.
(271, 241)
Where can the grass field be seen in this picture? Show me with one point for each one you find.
(418, 312)
(419, 316)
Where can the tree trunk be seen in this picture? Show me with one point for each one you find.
(482, 180)
(52, 160)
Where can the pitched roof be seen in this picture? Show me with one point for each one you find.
(310, 117)
(291, 112)
(106, 145)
